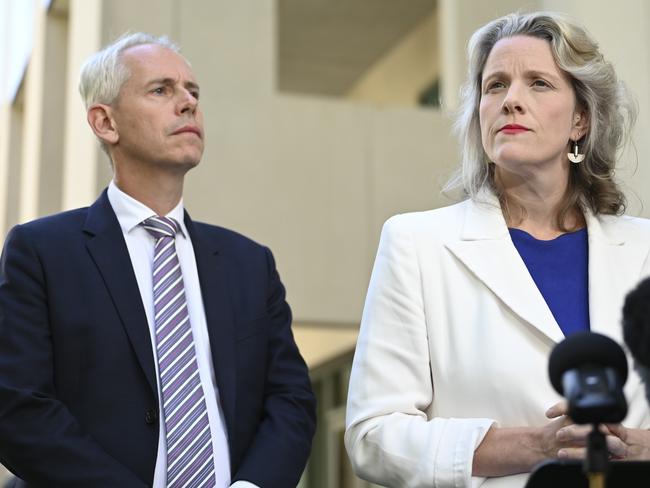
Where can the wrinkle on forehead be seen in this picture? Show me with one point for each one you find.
(521, 54)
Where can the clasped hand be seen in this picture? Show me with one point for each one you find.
(565, 440)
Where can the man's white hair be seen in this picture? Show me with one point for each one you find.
(104, 73)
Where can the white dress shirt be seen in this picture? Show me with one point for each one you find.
(140, 244)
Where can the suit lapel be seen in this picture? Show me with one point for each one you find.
(109, 252)
(219, 316)
(616, 261)
(486, 249)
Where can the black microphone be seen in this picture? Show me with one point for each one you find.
(589, 370)
(636, 330)
(636, 322)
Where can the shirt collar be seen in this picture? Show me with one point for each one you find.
(130, 212)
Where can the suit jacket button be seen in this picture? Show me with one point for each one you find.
(151, 416)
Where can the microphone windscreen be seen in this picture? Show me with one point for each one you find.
(636, 322)
(585, 348)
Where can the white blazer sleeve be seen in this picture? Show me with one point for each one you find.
(391, 437)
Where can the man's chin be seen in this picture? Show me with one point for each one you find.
(189, 160)
(188, 164)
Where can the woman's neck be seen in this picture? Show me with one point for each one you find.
(533, 204)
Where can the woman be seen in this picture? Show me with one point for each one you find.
(449, 385)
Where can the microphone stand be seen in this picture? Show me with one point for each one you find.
(596, 463)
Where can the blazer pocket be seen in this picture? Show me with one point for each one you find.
(251, 328)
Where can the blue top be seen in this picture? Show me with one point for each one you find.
(559, 268)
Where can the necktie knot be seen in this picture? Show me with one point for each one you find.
(160, 226)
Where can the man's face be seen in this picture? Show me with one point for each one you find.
(156, 114)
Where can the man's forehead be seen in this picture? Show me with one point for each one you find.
(154, 61)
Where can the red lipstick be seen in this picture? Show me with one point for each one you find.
(513, 129)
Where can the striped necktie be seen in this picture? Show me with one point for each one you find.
(187, 430)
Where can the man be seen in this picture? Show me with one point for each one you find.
(138, 347)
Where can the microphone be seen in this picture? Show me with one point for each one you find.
(636, 322)
(636, 330)
(589, 370)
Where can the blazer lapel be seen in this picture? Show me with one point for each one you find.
(109, 252)
(219, 317)
(486, 248)
(616, 260)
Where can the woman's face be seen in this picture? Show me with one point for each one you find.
(528, 108)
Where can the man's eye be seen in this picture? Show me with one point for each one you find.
(195, 94)
(159, 91)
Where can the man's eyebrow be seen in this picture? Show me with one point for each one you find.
(171, 81)
(192, 85)
(161, 81)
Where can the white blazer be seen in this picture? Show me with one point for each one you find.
(455, 335)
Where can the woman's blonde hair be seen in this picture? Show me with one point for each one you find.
(610, 111)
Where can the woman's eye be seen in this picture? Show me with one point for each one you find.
(495, 85)
(541, 83)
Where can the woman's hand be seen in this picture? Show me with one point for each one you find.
(634, 443)
(510, 450)
(622, 443)
(555, 437)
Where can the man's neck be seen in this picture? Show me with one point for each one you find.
(159, 192)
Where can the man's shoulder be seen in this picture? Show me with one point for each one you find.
(225, 237)
(55, 224)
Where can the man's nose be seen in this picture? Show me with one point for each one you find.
(187, 101)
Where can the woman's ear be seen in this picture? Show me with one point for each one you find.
(580, 124)
(102, 123)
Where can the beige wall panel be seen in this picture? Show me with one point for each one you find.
(294, 175)
(231, 45)
(80, 150)
(5, 117)
(413, 156)
(32, 130)
(315, 179)
(54, 106)
(158, 17)
(14, 164)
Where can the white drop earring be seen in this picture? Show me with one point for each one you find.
(576, 156)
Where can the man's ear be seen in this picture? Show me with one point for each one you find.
(101, 122)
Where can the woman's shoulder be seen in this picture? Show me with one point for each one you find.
(628, 221)
(447, 218)
(626, 226)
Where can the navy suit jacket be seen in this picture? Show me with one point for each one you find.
(78, 396)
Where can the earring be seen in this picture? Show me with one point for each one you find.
(575, 156)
